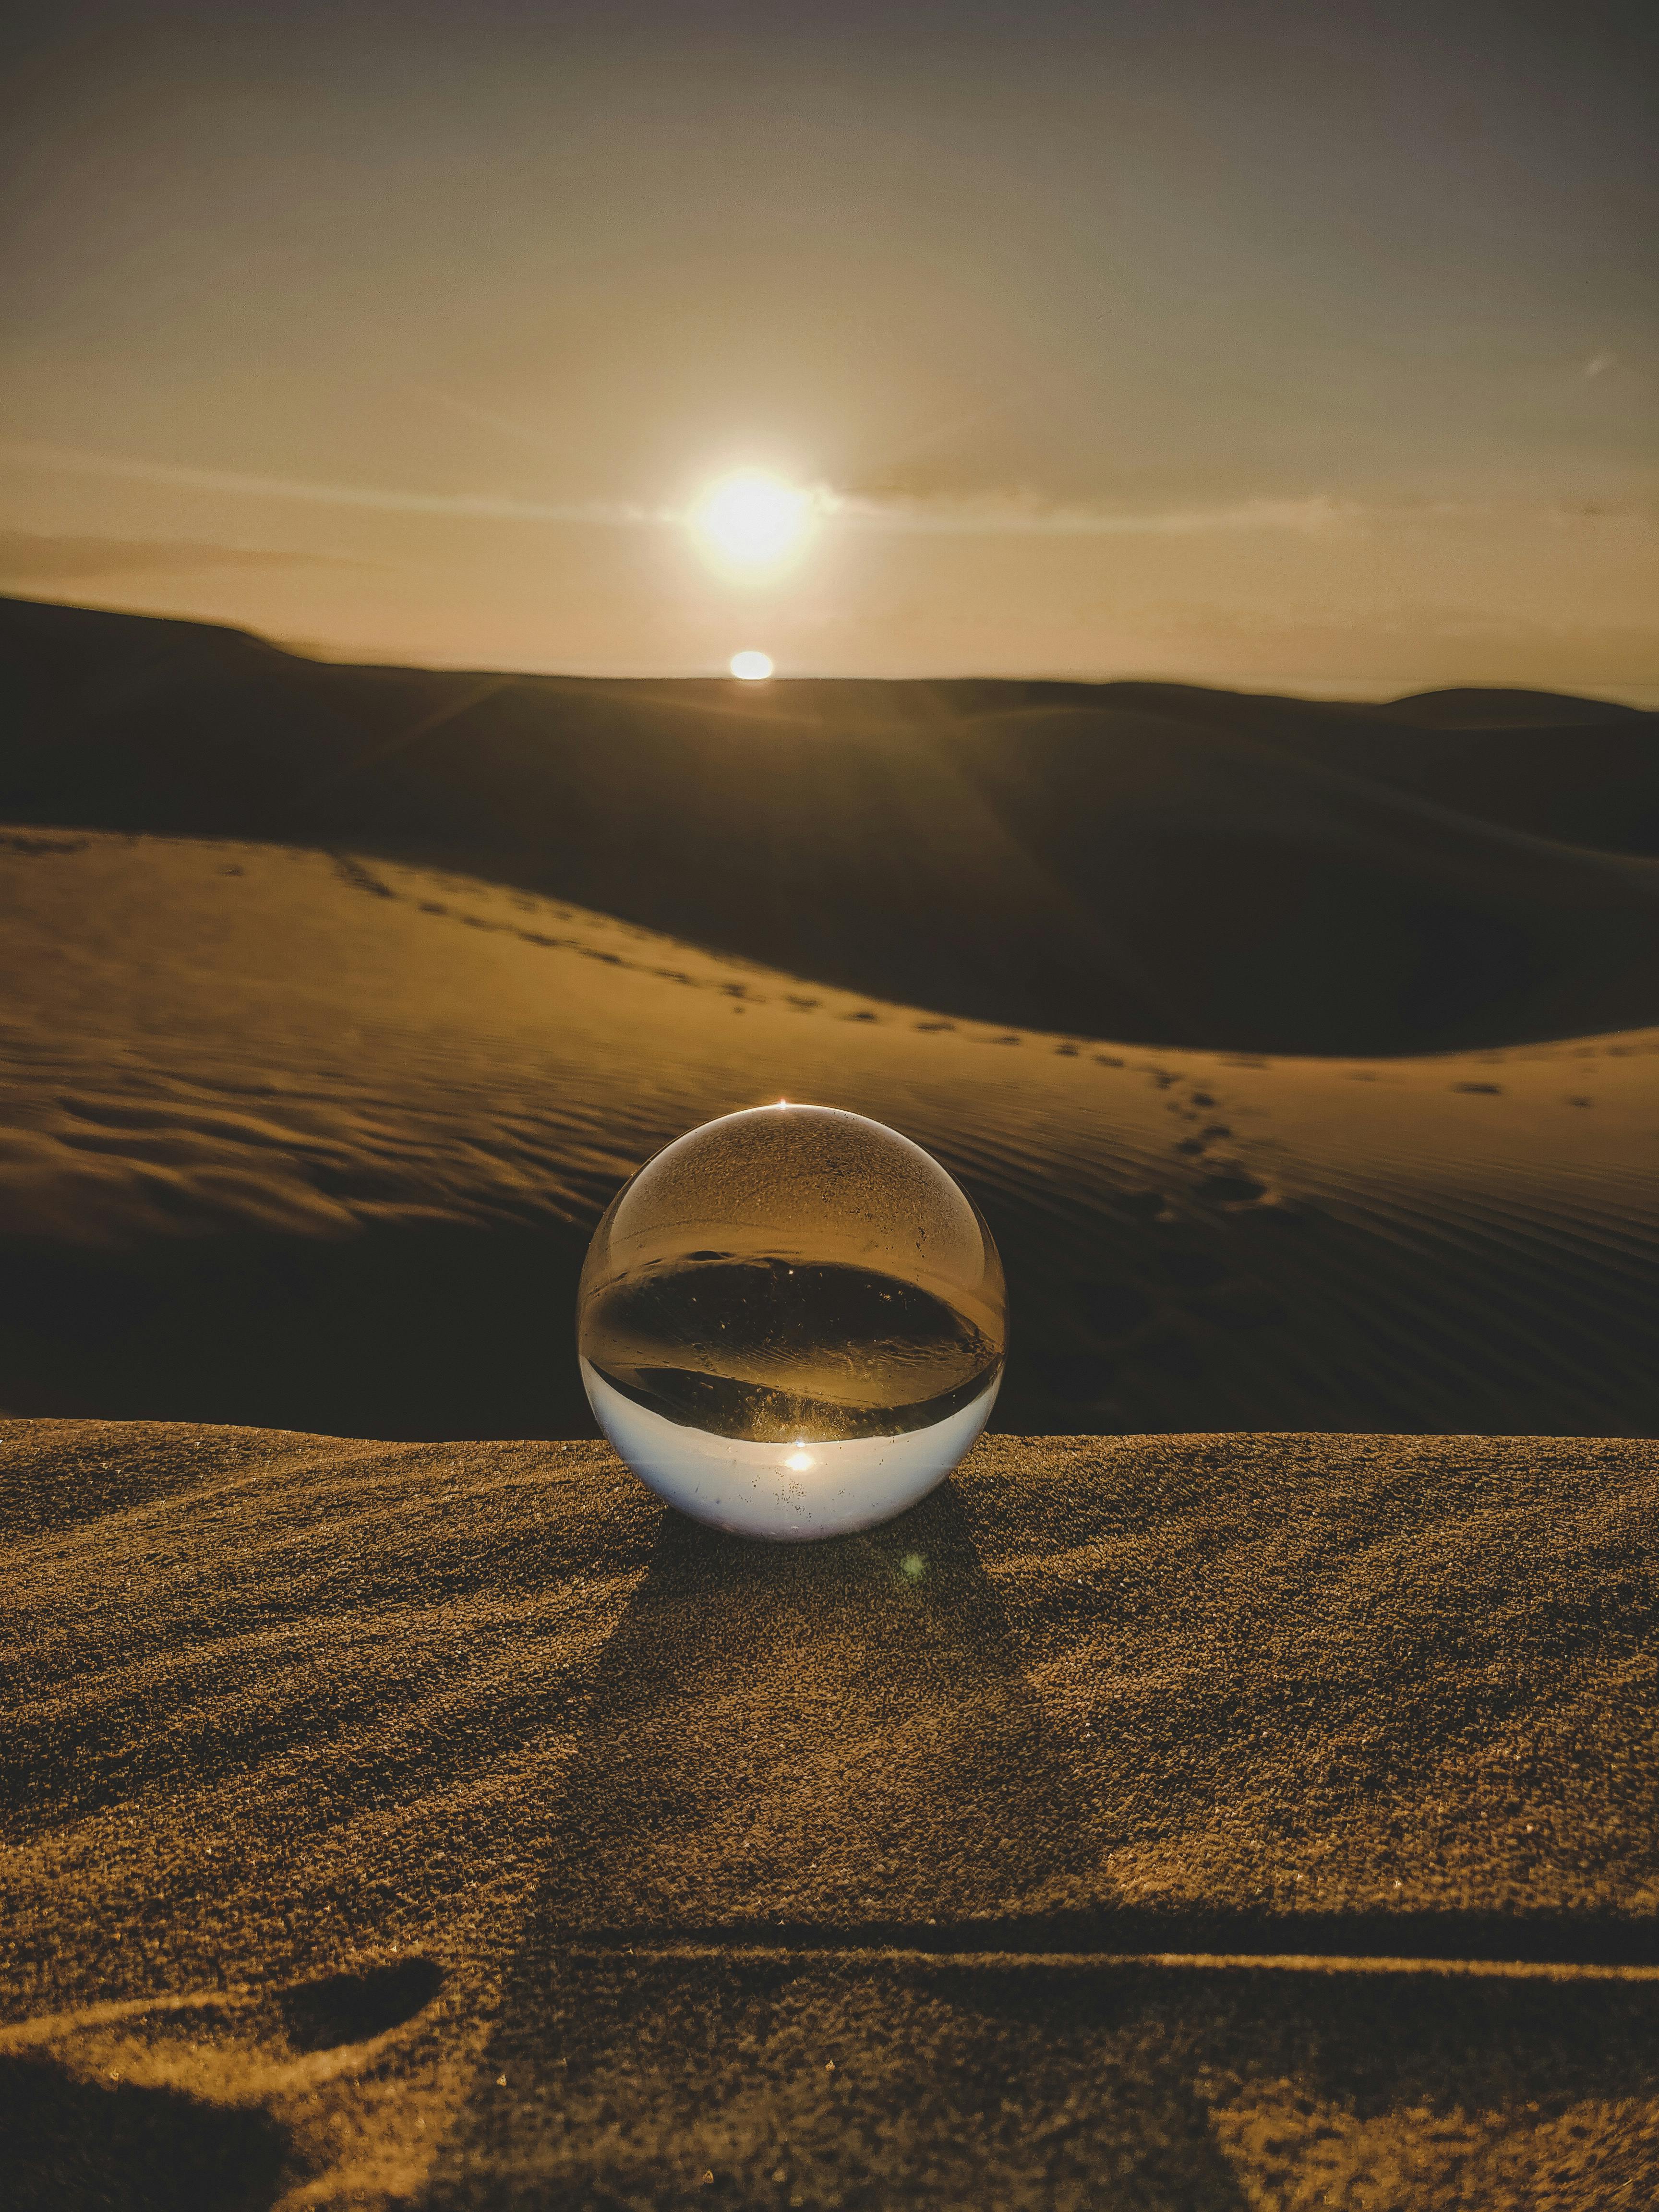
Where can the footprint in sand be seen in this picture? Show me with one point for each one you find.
(82, 2133)
(1232, 1188)
(351, 2007)
(72, 2145)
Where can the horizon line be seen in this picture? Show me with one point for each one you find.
(1639, 698)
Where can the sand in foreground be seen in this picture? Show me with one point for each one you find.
(444, 1825)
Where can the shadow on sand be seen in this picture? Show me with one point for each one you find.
(70, 2145)
(803, 1769)
(780, 1739)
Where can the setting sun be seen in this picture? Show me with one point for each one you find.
(751, 667)
(751, 521)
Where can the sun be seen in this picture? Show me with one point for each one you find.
(751, 667)
(751, 521)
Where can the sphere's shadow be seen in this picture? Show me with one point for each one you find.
(827, 1741)
(830, 1734)
(794, 1760)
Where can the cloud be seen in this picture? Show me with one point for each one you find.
(993, 514)
(27, 554)
(989, 514)
(471, 506)
(1004, 514)
(1600, 364)
(487, 415)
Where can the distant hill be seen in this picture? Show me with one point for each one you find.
(1469, 707)
(1157, 862)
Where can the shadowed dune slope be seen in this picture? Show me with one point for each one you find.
(447, 1826)
(1153, 861)
(318, 1141)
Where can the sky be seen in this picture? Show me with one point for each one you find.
(1312, 347)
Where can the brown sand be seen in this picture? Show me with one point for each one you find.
(445, 1825)
(316, 1141)
(1226, 1820)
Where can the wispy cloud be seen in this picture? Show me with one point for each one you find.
(991, 513)
(29, 554)
(487, 415)
(1013, 515)
(470, 505)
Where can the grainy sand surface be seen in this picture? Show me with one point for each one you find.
(1190, 1821)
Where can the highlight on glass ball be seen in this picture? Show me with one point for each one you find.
(791, 1322)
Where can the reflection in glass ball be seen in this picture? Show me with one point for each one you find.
(791, 1322)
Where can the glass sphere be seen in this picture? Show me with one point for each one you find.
(791, 1322)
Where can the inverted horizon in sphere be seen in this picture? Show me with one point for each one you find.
(791, 1322)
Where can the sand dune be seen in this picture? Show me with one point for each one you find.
(446, 1826)
(305, 1132)
(1139, 860)
(1220, 1821)
(315, 1141)
(1577, 771)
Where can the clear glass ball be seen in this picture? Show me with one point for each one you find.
(791, 1322)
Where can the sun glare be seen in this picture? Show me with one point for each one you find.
(751, 667)
(751, 521)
